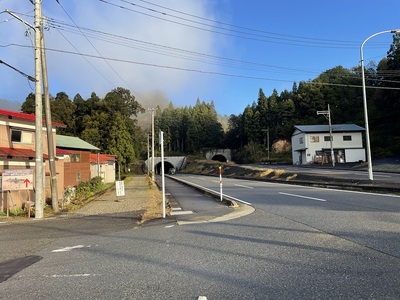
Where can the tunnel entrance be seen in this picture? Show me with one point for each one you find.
(167, 167)
(219, 157)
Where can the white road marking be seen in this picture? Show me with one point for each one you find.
(169, 226)
(375, 175)
(71, 275)
(329, 189)
(244, 186)
(70, 248)
(212, 191)
(197, 178)
(217, 181)
(305, 197)
(182, 212)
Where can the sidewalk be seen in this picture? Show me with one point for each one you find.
(139, 196)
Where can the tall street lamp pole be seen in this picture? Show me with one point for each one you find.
(370, 173)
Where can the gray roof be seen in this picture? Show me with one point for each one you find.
(325, 128)
(71, 142)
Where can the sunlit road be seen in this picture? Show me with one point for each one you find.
(366, 218)
(338, 172)
(300, 243)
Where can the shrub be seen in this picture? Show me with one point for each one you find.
(250, 153)
(87, 189)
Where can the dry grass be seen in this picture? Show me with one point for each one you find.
(278, 174)
(153, 207)
(266, 173)
(291, 177)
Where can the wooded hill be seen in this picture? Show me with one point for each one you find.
(110, 123)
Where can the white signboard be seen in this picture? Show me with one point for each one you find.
(119, 188)
(17, 179)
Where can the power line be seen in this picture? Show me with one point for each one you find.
(93, 45)
(241, 27)
(244, 35)
(20, 72)
(165, 50)
(248, 33)
(209, 72)
(93, 66)
(180, 53)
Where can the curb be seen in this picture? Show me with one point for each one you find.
(241, 208)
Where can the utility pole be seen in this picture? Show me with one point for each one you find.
(152, 143)
(327, 113)
(148, 155)
(266, 139)
(38, 116)
(50, 141)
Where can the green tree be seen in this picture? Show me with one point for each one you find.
(63, 111)
(28, 107)
(119, 141)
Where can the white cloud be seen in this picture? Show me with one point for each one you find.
(73, 74)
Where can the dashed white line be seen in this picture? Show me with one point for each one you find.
(244, 186)
(71, 275)
(305, 197)
(376, 175)
(200, 178)
(70, 248)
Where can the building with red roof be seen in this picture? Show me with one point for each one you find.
(17, 151)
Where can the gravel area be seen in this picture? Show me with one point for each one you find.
(139, 195)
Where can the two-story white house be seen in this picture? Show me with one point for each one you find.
(311, 144)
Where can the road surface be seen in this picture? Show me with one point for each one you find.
(300, 243)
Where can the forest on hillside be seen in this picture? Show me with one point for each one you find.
(110, 123)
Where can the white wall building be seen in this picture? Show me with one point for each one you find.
(311, 144)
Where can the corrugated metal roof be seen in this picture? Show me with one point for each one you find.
(101, 158)
(60, 152)
(22, 116)
(71, 142)
(325, 128)
(19, 153)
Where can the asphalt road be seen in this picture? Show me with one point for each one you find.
(370, 219)
(300, 243)
(381, 172)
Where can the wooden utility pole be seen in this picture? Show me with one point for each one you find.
(49, 127)
(327, 114)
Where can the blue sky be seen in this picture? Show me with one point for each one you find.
(181, 50)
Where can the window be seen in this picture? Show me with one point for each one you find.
(314, 139)
(20, 136)
(327, 138)
(78, 177)
(301, 141)
(75, 157)
(16, 136)
(347, 138)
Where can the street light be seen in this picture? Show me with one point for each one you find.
(370, 174)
